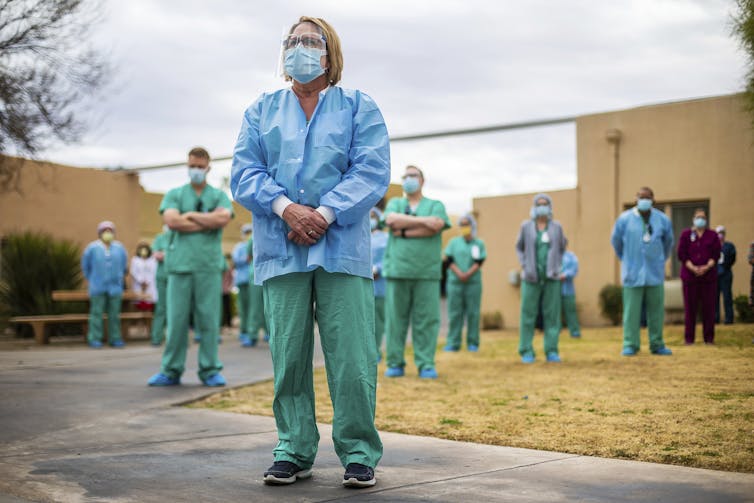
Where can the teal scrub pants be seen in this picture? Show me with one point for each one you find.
(653, 297)
(548, 293)
(344, 309)
(571, 315)
(379, 322)
(464, 305)
(200, 293)
(415, 301)
(256, 311)
(243, 305)
(99, 305)
(160, 310)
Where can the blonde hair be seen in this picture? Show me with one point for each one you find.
(332, 41)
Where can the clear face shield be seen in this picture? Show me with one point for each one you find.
(301, 54)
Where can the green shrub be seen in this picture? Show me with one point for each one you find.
(33, 265)
(744, 310)
(492, 320)
(611, 303)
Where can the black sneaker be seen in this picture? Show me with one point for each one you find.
(285, 472)
(359, 476)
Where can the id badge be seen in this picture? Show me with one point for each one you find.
(646, 237)
(475, 252)
(545, 237)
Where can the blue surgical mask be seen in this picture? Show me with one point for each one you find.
(410, 185)
(197, 175)
(700, 223)
(542, 211)
(644, 204)
(303, 63)
(373, 223)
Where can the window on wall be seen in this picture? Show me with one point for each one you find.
(681, 214)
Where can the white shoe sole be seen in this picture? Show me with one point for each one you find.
(273, 480)
(353, 482)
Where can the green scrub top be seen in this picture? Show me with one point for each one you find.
(543, 249)
(464, 254)
(161, 244)
(195, 251)
(415, 258)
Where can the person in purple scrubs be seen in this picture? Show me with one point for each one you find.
(699, 251)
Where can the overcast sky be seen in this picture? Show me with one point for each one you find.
(187, 69)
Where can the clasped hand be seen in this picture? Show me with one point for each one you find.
(307, 224)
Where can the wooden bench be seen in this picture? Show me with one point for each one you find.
(39, 322)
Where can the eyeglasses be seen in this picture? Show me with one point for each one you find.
(307, 40)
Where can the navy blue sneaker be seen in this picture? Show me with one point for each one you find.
(285, 472)
(359, 476)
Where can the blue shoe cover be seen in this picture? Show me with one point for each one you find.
(428, 374)
(394, 372)
(214, 380)
(118, 344)
(95, 344)
(663, 351)
(629, 352)
(450, 348)
(473, 348)
(160, 379)
(553, 357)
(528, 358)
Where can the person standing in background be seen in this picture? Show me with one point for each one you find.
(465, 255)
(643, 240)
(569, 271)
(159, 321)
(104, 264)
(725, 277)
(698, 252)
(379, 242)
(242, 266)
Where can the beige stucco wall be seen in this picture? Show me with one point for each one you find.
(686, 151)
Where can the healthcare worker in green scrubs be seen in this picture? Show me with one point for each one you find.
(465, 255)
(310, 162)
(540, 247)
(196, 214)
(413, 268)
(159, 321)
(104, 264)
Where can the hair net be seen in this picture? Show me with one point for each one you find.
(105, 224)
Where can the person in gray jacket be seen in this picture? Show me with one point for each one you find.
(540, 247)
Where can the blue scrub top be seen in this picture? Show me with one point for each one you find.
(570, 268)
(642, 261)
(339, 159)
(104, 268)
(241, 262)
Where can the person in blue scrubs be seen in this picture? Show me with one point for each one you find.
(643, 241)
(569, 269)
(104, 264)
(310, 162)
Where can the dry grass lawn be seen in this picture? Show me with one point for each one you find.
(695, 408)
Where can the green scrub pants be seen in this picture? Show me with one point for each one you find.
(99, 305)
(256, 311)
(654, 299)
(416, 301)
(548, 293)
(571, 315)
(379, 322)
(344, 309)
(160, 310)
(243, 305)
(200, 293)
(464, 304)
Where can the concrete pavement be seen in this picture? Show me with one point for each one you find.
(81, 425)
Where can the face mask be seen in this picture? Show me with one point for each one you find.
(303, 63)
(644, 204)
(373, 223)
(107, 236)
(143, 253)
(197, 175)
(542, 211)
(465, 230)
(410, 185)
(700, 223)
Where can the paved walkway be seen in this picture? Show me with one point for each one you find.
(81, 425)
